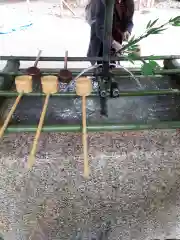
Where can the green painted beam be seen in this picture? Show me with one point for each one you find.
(117, 71)
(95, 94)
(96, 127)
(86, 59)
(41, 94)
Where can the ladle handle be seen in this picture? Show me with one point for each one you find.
(6, 122)
(65, 59)
(84, 138)
(38, 132)
(37, 58)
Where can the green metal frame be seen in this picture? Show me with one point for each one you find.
(87, 59)
(122, 72)
(111, 127)
(92, 127)
(94, 94)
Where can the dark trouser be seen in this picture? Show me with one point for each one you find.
(101, 54)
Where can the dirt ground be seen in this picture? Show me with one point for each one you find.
(134, 184)
(134, 181)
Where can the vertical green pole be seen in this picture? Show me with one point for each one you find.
(108, 21)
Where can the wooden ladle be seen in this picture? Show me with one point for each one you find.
(84, 89)
(49, 86)
(23, 85)
(65, 76)
(34, 70)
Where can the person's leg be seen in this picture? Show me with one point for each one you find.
(100, 53)
(113, 53)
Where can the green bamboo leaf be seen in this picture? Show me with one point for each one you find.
(161, 30)
(175, 19)
(154, 65)
(149, 24)
(134, 47)
(158, 31)
(132, 39)
(152, 30)
(154, 22)
(146, 69)
(176, 24)
(149, 68)
(131, 56)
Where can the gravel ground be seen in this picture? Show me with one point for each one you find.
(134, 184)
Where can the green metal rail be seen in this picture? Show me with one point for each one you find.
(95, 94)
(96, 127)
(87, 59)
(117, 71)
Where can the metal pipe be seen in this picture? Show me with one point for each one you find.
(117, 71)
(87, 59)
(96, 127)
(95, 94)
